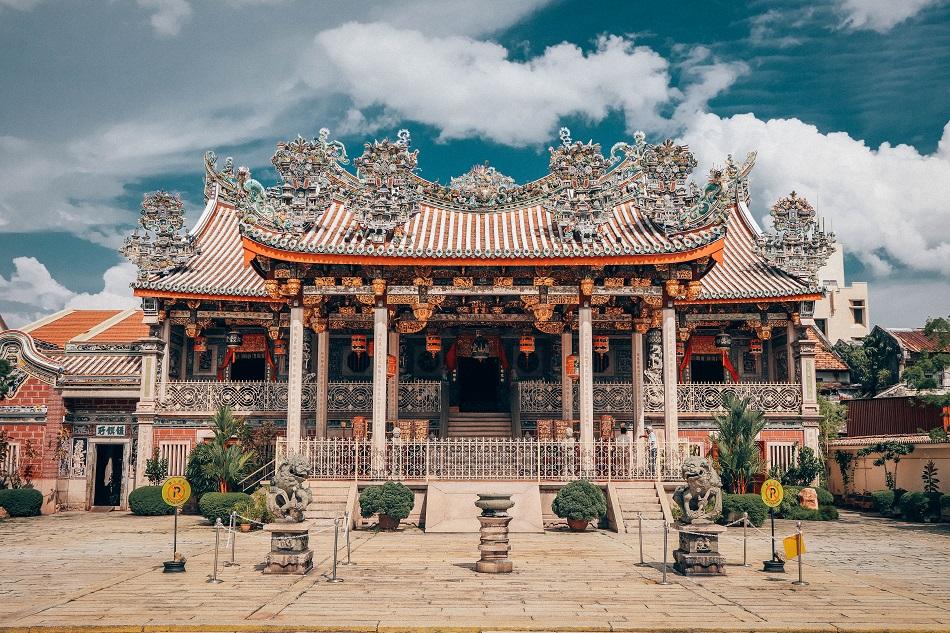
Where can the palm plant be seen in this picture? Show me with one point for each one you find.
(739, 458)
(227, 459)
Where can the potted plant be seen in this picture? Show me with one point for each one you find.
(253, 511)
(580, 502)
(392, 502)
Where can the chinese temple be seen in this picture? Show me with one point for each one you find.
(397, 328)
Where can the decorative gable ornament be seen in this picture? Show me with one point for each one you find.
(584, 200)
(797, 245)
(483, 186)
(386, 197)
(161, 249)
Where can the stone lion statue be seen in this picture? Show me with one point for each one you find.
(288, 496)
(703, 487)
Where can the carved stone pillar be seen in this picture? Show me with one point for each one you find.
(145, 410)
(636, 364)
(392, 389)
(567, 385)
(381, 350)
(163, 375)
(295, 380)
(670, 413)
(323, 374)
(791, 335)
(805, 350)
(586, 387)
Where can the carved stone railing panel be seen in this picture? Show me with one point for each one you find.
(539, 396)
(708, 397)
(543, 397)
(349, 397)
(420, 396)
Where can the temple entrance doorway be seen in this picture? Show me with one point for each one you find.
(706, 368)
(107, 482)
(479, 385)
(248, 368)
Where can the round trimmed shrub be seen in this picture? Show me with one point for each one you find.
(789, 502)
(392, 499)
(580, 501)
(195, 473)
(21, 502)
(915, 506)
(218, 505)
(147, 501)
(883, 501)
(828, 513)
(825, 498)
(734, 505)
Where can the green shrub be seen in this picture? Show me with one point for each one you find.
(883, 501)
(798, 513)
(828, 513)
(920, 506)
(255, 508)
(579, 501)
(392, 499)
(789, 501)
(825, 498)
(218, 505)
(147, 501)
(944, 502)
(196, 473)
(734, 505)
(21, 502)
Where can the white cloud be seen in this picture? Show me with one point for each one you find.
(168, 16)
(879, 15)
(889, 205)
(467, 87)
(31, 283)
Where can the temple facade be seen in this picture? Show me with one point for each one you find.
(587, 324)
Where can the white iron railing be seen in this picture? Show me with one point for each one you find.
(476, 459)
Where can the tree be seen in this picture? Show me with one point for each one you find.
(925, 373)
(869, 362)
(887, 452)
(805, 471)
(833, 416)
(739, 457)
(227, 459)
(929, 477)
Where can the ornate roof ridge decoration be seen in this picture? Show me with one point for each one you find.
(386, 198)
(162, 248)
(584, 201)
(483, 186)
(798, 245)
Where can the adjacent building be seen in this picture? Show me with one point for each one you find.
(843, 312)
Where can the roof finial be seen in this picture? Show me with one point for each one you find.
(403, 136)
(565, 134)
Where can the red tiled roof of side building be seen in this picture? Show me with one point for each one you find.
(70, 325)
(128, 330)
(916, 341)
(825, 357)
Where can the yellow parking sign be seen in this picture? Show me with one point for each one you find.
(794, 546)
(176, 491)
(772, 493)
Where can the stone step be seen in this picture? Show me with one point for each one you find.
(632, 512)
(637, 493)
(631, 522)
(322, 514)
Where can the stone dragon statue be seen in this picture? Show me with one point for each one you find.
(288, 496)
(703, 487)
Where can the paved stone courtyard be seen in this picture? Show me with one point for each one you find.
(104, 570)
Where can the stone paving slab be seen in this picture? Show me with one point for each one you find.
(83, 571)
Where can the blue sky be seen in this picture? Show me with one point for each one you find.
(846, 101)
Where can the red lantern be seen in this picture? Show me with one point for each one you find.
(680, 349)
(358, 343)
(279, 349)
(572, 367)
(392, 365)
(755, 346)
(526, 344)
(433, 344)
(601, 344)
(201, 344)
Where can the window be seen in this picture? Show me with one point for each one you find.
(822, 325)
(857, 311)
(12, 462)
(782, 455)
(177, 455)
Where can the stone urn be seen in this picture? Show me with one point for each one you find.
(493, 543)
(494, 505)
(578, 525)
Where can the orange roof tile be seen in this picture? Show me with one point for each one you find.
(128, 330)
(71, 325)
(915, 340)
(826, 359)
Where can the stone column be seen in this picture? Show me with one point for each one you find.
(670, 413)
(163, 376)
(805, 350)
(323, 374)
(636, 382)
(295, 380)
(392, 388)
(791, 335)
(380, 347)
(145, 409)
(567, 385)
(586, 387)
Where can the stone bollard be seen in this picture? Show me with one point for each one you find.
(494, 534)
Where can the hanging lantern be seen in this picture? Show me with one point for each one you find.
(723, 341)
(433, 343)
(572, 367)
(234, 339)
(526, 344)
(201, 344)
(392, 365)
(358, 343)
(601, 344)
(480, 347)
(680, 349)
(279, 349)
(755, 346)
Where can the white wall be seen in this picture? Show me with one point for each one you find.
(835, 308)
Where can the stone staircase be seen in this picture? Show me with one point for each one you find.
(638, 496)
(479, 425)
(330, 500)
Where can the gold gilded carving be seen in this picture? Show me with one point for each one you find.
(549, 327)
(613, 282)
(504, 282)
(599, 300)
(366, 299)
(312, 300)
(654, 301)
(422, 312)
(693, 290)
(351, 282)
(348, 310)
(587, 286)
(324, 282)
(404, 326)
(544, 281)
(462, 282)
(684, 274)
(639, 282)
(422, 281)
(379, 287)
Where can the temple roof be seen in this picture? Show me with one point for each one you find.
(58, 329)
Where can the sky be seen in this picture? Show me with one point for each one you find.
(846, 102)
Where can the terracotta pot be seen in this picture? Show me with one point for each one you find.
(388, 523)
(578, 525)
(245, 527)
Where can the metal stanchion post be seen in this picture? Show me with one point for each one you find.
(231, 562)
(640, 535)
(336, 537)
(217, 542)
(666, 531)
(799, 543)
(346, 518)
(745, 537)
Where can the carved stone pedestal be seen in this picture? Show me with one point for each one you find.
(290, 551)
(494, 534)
(698, 553)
